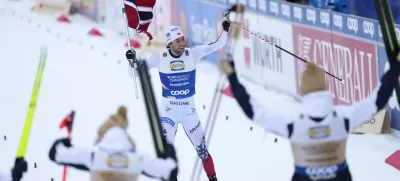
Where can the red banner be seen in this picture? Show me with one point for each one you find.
(352, 60)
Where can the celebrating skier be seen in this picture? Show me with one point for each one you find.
(177, 70)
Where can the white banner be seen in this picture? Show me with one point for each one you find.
(263, 62)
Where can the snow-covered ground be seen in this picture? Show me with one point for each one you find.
(89, 75)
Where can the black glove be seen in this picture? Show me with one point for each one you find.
(130, 55)
(226, 25)
(67, 143)
(52, 154)
(20, 166)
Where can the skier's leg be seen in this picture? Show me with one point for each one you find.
(169, 121)
(194, 130)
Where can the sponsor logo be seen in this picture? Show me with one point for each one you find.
(177, 65)
(178, 78)
(311, 15)
(253, 4)
(338, 21)
(168, 35)
(274, 8)
(168, 121)
(262, 5)
(117, 161)
(325, 18)
(167, 109)
(322, 172)
(319, 132)
(194, 129)
(165, 131)
(286, 10)
(179, 103)
(298, 13)
(179, 84)
(357, 67)
(352, 24)
(180, 92)
(193, 111)
(266, 55)
(164, 54)
(369, 28)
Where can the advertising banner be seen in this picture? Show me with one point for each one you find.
(347, 46)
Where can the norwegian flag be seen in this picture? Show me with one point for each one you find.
(139, 14)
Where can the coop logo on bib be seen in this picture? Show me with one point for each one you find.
(180, 92)
(177, 65)
(322, 172)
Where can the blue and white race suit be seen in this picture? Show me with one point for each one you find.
(178, 78)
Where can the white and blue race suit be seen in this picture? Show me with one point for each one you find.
(178, 78)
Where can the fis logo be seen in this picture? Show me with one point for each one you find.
(180, 92)
(164, 54)
(177, 65)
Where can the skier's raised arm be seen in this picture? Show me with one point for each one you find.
(114, 155)
(272, 120)
(200, 51)
(361, 111)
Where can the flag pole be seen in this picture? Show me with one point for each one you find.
(133, 64)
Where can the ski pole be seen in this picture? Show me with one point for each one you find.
(67, 122)
(133, 64)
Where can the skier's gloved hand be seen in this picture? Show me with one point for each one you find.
(53, 150)
(130, 55)
(226, 25)
(20, 166)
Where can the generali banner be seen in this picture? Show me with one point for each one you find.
(349, 47)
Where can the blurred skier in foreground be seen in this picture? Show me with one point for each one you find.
(20, 166)
(177, 70)
(318, 132)
(114, 156)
